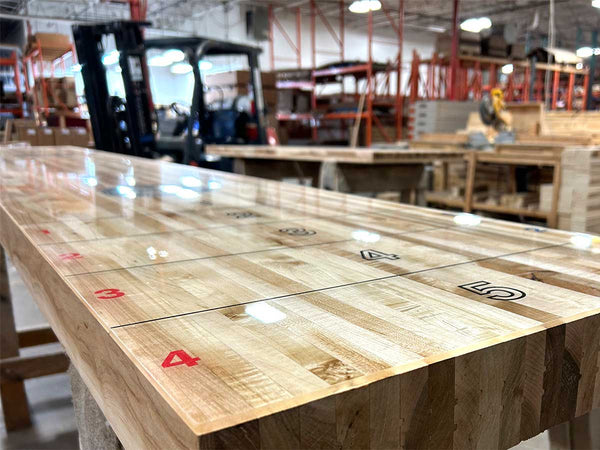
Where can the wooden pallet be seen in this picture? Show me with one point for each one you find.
(209, 310)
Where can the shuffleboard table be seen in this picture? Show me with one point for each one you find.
(210, 310)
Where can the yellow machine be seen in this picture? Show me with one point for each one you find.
(493, 111)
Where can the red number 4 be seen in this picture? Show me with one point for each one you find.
(109, 293)
(68, 256)
(184, 358)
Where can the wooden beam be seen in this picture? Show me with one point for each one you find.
(20, 368)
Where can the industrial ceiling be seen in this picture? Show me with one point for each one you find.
(574, 19)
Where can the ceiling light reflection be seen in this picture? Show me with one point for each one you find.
(265, 313)
(365, 236)
(469, 220)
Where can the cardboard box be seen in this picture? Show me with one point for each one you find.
(238, 78)
(45, 136)
(62, 136)
(79, 137)
(27, 134)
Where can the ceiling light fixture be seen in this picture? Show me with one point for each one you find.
(364, 6)
(507, 69)
(110, 58)
(174, 55)
(596, 3)
(585, 52)
(476, 24)
(159, 61)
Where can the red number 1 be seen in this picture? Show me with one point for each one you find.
(184, 358)
(109, 293)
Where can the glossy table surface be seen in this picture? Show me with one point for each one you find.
(233, 298)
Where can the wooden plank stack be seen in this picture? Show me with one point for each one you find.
(568, 124)
(579, 204)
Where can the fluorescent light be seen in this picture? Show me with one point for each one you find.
(205, 65)
(174, 55)
(470, 220)
(76, 68)
(585, 52)
(579, 66)
(507, 69)
(110, 58)
(364, 6)
(596, 3)
(436, 29)
(159, 61)
(181, 68)
(476, 24)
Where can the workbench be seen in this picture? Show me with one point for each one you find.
(210, 310)
(342, 169)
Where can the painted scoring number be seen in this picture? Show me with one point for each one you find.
(108, 294)
(374, 255)
(297, 231)
(184, 358)
(69, 256)
(241, 214)
(493, 292)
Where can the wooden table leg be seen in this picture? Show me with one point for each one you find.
(553, 214)
(14, 398)
(470, 181)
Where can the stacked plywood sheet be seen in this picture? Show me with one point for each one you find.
(439, 116)
(572, 123)
(579, 203)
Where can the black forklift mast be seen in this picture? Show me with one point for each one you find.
(109, 134)
(137, 135)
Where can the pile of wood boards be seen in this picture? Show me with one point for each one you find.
(23, 130)
(579, 201)
(567, 125)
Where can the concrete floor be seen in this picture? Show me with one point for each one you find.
(54, 419)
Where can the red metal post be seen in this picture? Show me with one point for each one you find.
(555, 86)
(454, 53)
(313, 33)
(399, 98)
(586, 82)
(18, 82)
(570, 91)
(493, 75)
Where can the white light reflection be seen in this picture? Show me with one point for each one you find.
(365, 236)
(152, 253)
(180, 192)
(191, 182)
(470, 220)
(581, 240)
(214, 185)
(265, 313)
(126, 191)
(130, 181)
(90, 181)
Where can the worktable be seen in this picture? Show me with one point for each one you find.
(212, 310)
(342, 169)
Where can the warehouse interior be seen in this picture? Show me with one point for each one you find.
(468, 115)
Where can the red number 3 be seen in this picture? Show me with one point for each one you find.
(109, 293)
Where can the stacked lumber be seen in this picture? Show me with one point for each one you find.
(439, 116)
(573, 124)
(579, 201)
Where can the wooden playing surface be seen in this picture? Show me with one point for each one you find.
(210, 310)
(337, 154)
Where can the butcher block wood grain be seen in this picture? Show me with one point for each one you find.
(207, 310)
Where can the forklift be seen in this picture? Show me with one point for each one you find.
(131, 125)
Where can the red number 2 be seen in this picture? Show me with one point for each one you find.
(109, 293)
(184, 358)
